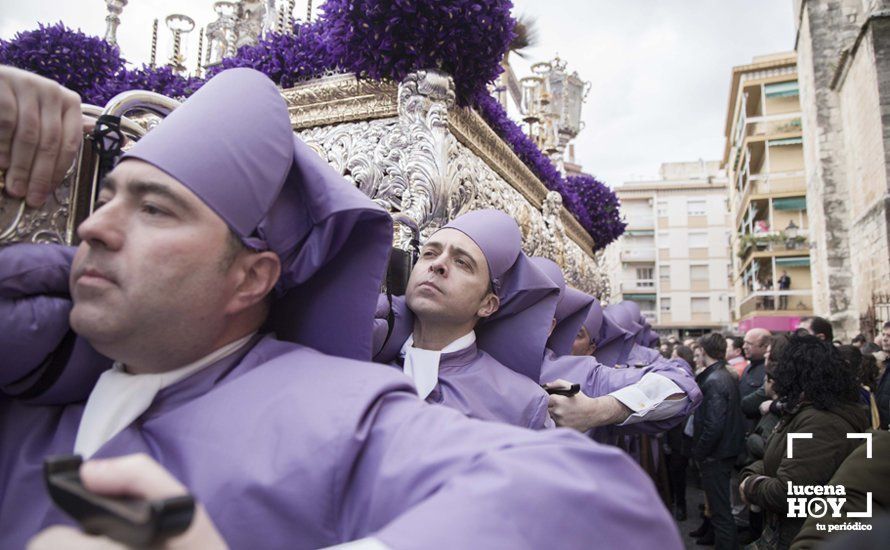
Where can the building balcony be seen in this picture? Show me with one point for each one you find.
(777, 302)
(787, 123)
(778, 182)
(771, 242)
(639, 285)
(641, 222)
(638, 255)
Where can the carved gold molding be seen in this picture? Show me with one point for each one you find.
(344, 98)
(340, 98)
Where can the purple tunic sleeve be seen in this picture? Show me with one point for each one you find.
(44, 361)
(597, 380)
(34, 307)
(429, 478)
(541, 419)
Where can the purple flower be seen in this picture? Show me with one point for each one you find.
(391, 38)
(285, 58)
(71, 58)
(162, 80)
(600, 206)
(592, 203)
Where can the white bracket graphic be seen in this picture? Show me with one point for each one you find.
(867, 437)
(792, 437)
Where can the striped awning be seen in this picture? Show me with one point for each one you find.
(784, 141)
(790, 203)
(782, 89)
(793, 262)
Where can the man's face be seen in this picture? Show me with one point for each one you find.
(450, 282)
(150, 274)
(755, 345)
(583, 345)
(699, 356)
(885, 341)
(731, 351)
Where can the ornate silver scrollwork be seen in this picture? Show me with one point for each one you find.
(414, 164)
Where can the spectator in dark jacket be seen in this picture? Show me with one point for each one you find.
(718, 436)
(821, 397)
(766, 410)
(755, 344)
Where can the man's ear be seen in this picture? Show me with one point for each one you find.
(256, 273)
(489, 305)
(591, 347)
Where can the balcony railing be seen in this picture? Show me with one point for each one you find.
(638, 255)
(778, 182)
(772, 124)
(774, 241)
(641, 222)
(638, 285)
(791, 302)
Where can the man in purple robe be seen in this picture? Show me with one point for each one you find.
(585, 342)
(216, 229)
(627, 315)
(651, 398)
(463, 313)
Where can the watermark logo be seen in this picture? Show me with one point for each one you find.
(820, 501)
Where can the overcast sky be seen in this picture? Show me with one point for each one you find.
(660, 68)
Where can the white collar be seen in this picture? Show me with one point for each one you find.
(422, 365)
(119, 398)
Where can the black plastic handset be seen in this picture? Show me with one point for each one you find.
(568, 392)
(134, 522)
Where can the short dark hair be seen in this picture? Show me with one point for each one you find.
(714, 345)
(685, 353)
(886, 325)
(859, 338)
(737, 343)
(815, 371)
(820, 325)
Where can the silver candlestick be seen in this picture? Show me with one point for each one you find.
(112, 20)
(178, 24)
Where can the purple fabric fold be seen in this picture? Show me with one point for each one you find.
(614, 343)
(304, 470)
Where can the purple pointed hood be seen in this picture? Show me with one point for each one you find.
(232, 145)
(594, 321)
(632, 321)
(517, 332)
(572, 311)
(615, 343)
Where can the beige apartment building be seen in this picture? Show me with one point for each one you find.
(764, 161)
(673, 259)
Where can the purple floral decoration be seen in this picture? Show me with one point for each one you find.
(162, 80)
(593, 204)
(373, 38)
(389, 39)
(285, 58)
(599, 208)
(71, 58)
